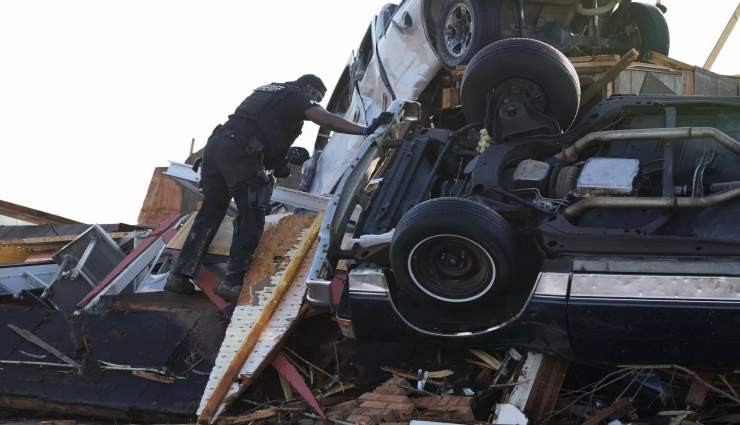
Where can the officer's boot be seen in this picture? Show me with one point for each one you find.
(229, 290)
(231, 286)
(179, 283)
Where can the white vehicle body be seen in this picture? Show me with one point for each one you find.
(401, 48)
(406, 46)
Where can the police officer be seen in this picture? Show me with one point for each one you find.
(256, 138)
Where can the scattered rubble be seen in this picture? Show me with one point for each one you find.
(86, 330)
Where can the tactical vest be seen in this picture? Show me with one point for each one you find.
(259, 109)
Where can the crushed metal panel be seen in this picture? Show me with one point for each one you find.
(133, 265)
(136, 268)
(190, 180)
(92, 255)
(15, 279)
(83, 263)
(298, 199)
(184, 175)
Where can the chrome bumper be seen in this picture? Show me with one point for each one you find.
(342, 204)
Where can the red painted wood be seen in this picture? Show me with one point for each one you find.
(289, 372)
(207, 282)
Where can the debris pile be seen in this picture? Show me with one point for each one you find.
(87, 330)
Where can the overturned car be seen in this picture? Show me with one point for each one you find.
(610, 234)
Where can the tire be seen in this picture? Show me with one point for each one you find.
(484, 17)
(652, 29)
(452, 251)
(522, 58)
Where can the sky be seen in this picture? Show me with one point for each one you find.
(95, 94)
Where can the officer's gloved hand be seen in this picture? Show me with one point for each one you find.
(297, 155)
(282, 171)
(382, 119)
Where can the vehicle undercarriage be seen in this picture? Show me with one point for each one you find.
(504, 223)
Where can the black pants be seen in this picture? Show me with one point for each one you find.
(227, 171)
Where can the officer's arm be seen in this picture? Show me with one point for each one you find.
(333, 122)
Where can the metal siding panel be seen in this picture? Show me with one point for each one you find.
(655, 287)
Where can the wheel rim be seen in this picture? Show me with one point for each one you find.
(451, 268)
(458, 33)
(630, 35)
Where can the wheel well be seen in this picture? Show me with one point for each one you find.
(432, 16)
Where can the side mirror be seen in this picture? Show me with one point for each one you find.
(410, 111)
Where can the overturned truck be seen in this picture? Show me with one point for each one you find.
(608, 234)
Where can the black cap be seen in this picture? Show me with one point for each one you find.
(310, 79)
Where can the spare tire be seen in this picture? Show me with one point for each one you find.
(522, 59)
(452, 251)
(644, 27)
(465, 26)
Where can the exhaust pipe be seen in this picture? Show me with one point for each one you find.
(570, 154)
(576, 210)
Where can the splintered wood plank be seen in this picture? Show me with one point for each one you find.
(164, 197)
(31, 215)
(660, 59)
(593, 58)
(698, 390)
(14, 254)
(595, 89)
(618, 409)
(268, 306)
(221, 242)
(544, 394)
(42, 241)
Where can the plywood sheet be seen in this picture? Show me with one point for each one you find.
(163, 198)
(221, 242)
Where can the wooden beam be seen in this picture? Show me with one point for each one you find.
(661, 59)
(249, 417)
(37, 404)
(594, 89)
(698, 390)
(618, 409)
(611, 59)
(546, 388)
(232, 373)
(723, 38)
(43, 241)
(31, 215)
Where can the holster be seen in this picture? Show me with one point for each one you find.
(259, 196)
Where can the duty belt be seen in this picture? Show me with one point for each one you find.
(251, 144)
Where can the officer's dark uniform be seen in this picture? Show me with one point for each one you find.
(255, 137)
